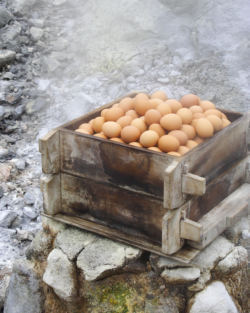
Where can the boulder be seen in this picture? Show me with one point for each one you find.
(6, 57)
(52, 227)
(5, 16)
(40, 247)
(10, 36)
(7, 217)
(180, 275)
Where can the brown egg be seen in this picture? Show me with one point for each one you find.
(213, 112)
(127, 104)
(113, 114)
(142, 106)
(115, 105)
(198, 139)
(216, 122)
(206, 105)
(198, 115)
(103, 112)
(91, 122)
(159, 95)
(111, 129)
(152, 116)
(149, 139)
(193, 123)
(189, 100)
(140, 124)
(174, 153)
(157, 128)
(141, 96)
(117, 140)
(142, 118)
(154, 103)
(136, 144)
(124, 121)
(225, 122)
(164, 108)
(174, 104)
(181, 136)
(100, 136)
(168, 143)
(186, 115)
(224, 116)
(83, 131)
(132, 114)
(130, 134)
(204, 128)
(97, 124)
(189, 130)
(87, 127)
(154, 149)
(191, 144)
(196, 109)
(182, 150)
(171, 122)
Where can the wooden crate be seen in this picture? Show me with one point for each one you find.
(151, 200)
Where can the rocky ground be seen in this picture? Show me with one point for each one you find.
(60, 59)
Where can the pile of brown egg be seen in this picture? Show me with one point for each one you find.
(158, 123)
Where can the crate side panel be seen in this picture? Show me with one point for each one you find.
(117, 208)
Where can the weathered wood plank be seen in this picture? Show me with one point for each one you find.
(113, 207)
(51, 189)
(193, 184)
(236, 214)
(185, 255)
(191, 230)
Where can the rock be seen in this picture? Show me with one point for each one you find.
(1, 192)
(2, 111)
(23, 234)
(105, 257)
(29, 212)
(39, 104)
(6, 57)
(233, 262)
(20, 7)
(60, 44)
(25, 293)
(235, 232)
(23, 39)
(36, 33)
(201, 283)
(13, 98)
(73, 240)
(50, 64)
(40, 247)
(35, 22)
(10, 36)
(18, 111)
(245, 234)
(80, 105)
(59, 2)
(4, 283)
(4, 169)
(8, 75)
(20, 164)
(5, 16)
(160, 263)
(53, 227)
(29, 197)
(40, 45)
(160, 305)
(180, 275)
(213, 299)
(61, 275)
(7, 217)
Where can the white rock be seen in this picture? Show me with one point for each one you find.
(7, 217)
(180, 275)
(53, 227)
(6, 57)
(245, 234)
(61, 275)
(35, 22)
(29, 212)
(36, 33)
(78, 106)
(20, 7)
(213, 299)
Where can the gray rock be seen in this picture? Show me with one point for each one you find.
(40, 45)
(24, 39)
(4, 283)
(233, 262)
(8, 75)
(160, 305)
(73, 240)
(36, 33)
(39, 104)
(80, 105)
(1, 192)
(59, 2)
(201, 282)
(50, 64)
(35, 22)
(105, 257)
(29, 197)
(25, 293)
(2, 111)
(160, 263)
(18, 111)
(180, 275)
(7, 217)
(60, 44)
(5, 16)
(53, 227)
(245, 234)
(20, 164)
(213, 299)
(61, 275)
(20, 7)
(3, 153)
(6, 57)
(40, 247)
(23, 234)
(29, 212)
(10, 36)
(59, 55)
(13, 98)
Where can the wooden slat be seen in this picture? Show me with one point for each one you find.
(191, 230)
(51, 189)
(193, 184)
(236, 214)
(185, 255)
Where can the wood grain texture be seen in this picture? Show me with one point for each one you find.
(191, 230)
(193, 184)
(51, 189)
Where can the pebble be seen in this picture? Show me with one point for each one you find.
(29, 212)
(20, 164)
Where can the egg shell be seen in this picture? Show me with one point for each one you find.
(198, 139)
(186, 115)
(182, 150)
(191, 144)
(103, 112)
(159, 95)
(189, 130)
(168, 143)
(136, 144)
(193, 123)
(91, 122)
(100, 135)
(83, 131)
(152, 116)
(198, 115)
(225, 122)
(213, 112)
(127, 104)
(149, 139)
(207, 105)
(124, 121)
(140, 124)
(154, 103)
(164, 108)
(111, 129)
(130, 134)
(196, 109)
(113, 114)
(115, 105)
(142, 118)
(174, 153)
(157, 128)
(181, 136)
(204, 128)
(171, 122)
(142, 106)
(132, 113)
(141, 96)
(154, 149)
(224, 116)
(174, 104)
(117, 140)
(97, 124)
(87, 127)
(216, 122)
(189, 100)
